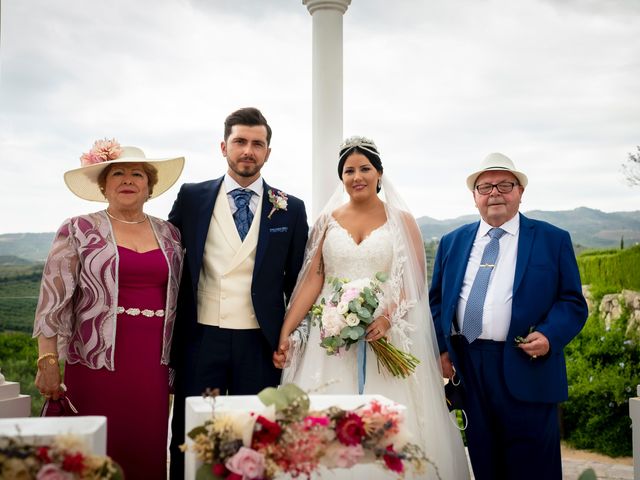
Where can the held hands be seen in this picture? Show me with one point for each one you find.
(535, 345)
(280, 356)
(446, 365)
(378, 328)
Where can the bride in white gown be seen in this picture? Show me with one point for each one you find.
(356, 240)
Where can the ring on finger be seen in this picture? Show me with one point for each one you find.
(534, 356)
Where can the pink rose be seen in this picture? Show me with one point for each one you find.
(341, 456)
(52, 472)
(349, 295)
(246, 462)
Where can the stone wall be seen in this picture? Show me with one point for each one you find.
(614, 305)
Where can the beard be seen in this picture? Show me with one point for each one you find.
(244, 169)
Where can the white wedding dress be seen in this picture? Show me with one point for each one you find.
(426, 418)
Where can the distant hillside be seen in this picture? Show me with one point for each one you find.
(33, 247)
(588, 227)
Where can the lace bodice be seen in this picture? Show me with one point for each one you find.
(345, 258)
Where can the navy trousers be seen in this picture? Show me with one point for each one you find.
(508, 439)
(238, 362)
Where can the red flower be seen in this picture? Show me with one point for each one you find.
(218, 469)
(350, 429)
(392, 460)
(233, 476)
(43, 454)
(73, 462)
(265, 432)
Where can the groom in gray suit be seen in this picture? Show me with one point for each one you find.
(244, 245)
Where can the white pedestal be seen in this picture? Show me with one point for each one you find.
(198, 410)
(634, 413)
(12, 404)
(92, 430)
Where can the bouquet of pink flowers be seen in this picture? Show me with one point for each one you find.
(288, 438)
(343, 321)
(65, 457)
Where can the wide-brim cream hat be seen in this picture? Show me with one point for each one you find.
(83, 181)
(493, 162)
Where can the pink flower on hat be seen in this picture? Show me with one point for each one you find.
(102, 151)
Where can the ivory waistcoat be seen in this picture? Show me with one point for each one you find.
(224, 288)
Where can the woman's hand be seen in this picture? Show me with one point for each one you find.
(48, 378)
(378, 328)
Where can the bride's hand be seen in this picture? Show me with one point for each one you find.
(280, 357)
(378, 328)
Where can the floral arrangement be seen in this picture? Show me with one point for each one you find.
(343, 321)
(279, 201)
(64, 459)
(102, 151)
(288, 438)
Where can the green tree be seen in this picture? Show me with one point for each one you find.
(18, 356)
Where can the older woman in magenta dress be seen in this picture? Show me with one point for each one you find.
(107, 305)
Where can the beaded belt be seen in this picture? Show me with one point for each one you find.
(134, 312)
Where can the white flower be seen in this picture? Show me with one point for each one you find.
(332, 321)
(343, 308)
(352, 320)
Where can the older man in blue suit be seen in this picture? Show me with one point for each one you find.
(506, 299)
(244, 245)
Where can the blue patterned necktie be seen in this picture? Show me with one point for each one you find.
(243, 215)
(472, 323)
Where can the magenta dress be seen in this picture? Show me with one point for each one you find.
(135, 396)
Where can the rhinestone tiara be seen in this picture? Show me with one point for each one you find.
(360, 142)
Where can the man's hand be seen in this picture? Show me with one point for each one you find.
(280, 357)
(535, 345)
(447, 366)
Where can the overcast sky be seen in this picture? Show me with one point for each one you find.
(438, 84)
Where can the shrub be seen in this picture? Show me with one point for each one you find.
(616, 268)
(602, 369)
(18, 355)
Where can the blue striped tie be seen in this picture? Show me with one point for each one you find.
(243, 215)
(472, 323)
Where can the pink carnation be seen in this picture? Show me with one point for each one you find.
(341, 456)
(53, 472)
(246, 462)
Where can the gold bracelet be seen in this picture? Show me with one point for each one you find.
(53, 358)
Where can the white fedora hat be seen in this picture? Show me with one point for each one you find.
(493, 162)
(83, 181)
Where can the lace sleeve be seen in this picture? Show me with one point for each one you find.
(54, 312)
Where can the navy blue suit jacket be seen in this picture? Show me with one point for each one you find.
(279, 255)
(547, 295)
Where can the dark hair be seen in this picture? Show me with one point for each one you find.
(246, 116)
(374, 158)
(150, 170)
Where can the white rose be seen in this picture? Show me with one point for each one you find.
(352, 320)
(343, 307)
(332, 321)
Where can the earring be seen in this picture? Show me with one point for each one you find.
(379, 184)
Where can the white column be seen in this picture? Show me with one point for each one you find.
(327, 97)
(634, 413)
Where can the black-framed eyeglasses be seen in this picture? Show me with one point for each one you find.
(503, 187)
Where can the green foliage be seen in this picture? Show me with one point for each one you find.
(18, 355)
(615, 268)
(602, 369)
(19, 289)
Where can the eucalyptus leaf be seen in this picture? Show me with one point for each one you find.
(364, 314)
(382, 276)
(273, 396)
(204, 472)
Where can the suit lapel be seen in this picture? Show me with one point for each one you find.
(525, 242)
(263, 235)
(204, 203)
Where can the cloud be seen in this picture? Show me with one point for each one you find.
(438, 85)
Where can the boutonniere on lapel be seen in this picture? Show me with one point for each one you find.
(278, 201)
